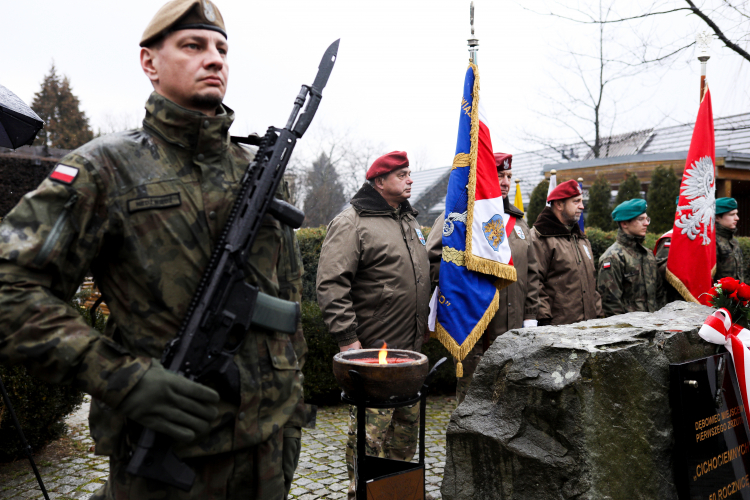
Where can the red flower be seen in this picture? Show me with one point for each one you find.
(729, 285)
(744, 291)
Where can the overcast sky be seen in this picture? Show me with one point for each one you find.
(398, 79)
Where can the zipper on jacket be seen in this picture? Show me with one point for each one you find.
(56, 232)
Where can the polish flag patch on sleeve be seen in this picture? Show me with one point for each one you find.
(64, 173)
(605, 265)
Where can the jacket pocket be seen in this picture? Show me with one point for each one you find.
(281, 352)
(384, 302)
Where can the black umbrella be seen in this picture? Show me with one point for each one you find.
(18, 122)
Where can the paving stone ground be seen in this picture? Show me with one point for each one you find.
(321, 473)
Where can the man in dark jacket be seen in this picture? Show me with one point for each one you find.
(373, 285)
(728, 253)
(628, 277)
(567, 290)
(518, 301)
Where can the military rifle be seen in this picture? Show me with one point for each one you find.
(225, 305)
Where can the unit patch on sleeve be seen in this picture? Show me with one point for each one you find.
(586, 249)
(519, 232)
(149, 202)
(64, 173)
(420, 235)
(605, 265)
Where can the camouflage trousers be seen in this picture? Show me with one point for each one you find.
(253, 473)
(391, 433)
(470, 363)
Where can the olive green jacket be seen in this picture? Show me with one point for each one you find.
(373, 278)
(142, 214)
(628, 278)
(729, 260)
(567, 287)
(519, 300)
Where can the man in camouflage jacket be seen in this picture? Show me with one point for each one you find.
(142, 210)
(628, 277)
(729, 262)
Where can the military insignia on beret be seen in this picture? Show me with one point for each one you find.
(420, 236)
(64, 173)
(208, 11)
(519, 232)
(586, 249)
(494, 231)
(606, 265)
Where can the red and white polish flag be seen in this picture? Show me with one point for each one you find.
(64, 173)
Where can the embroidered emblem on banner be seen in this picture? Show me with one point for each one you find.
(586, 249)
(64, 173)
(151, 202)
(420, 236)
(519, 232)
(494, 231)
(605, 265)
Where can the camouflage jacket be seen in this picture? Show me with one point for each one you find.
(628, 278)
(142, 213)
(728, 255)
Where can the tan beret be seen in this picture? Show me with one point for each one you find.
(182, 15)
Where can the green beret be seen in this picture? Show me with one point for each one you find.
(183, 15)
(629, 210)
(724, 205)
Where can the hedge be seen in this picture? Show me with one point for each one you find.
(40, 406)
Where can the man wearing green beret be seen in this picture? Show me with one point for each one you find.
(628, 278)
(143, 210)
(728, 253)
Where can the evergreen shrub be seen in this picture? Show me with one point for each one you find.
(630, 188)
(664, 188)
(537, 202)
(599, 209)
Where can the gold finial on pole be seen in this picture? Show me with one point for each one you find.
(472, 42)
(580, 179)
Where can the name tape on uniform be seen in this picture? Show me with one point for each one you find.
(64, 173)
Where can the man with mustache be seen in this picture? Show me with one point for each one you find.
(373, 285)
(143, 210)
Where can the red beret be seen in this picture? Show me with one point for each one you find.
(387, 164)
(567, 189)
(503, 161)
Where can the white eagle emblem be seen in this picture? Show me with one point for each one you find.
(699, 189)
(448, 224)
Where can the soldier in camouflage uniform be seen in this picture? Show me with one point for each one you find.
(728, 253)
(142, 210)
(628, 278)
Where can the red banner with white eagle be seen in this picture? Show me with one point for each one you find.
(692, 254)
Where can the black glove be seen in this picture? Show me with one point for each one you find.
(171, 404)
(290, 456)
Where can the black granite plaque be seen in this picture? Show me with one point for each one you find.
(712, 453)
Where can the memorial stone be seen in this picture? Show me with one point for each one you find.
(577, 411)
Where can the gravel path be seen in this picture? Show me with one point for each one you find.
(321, 474)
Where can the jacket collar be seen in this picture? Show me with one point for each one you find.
(628, 240)
(547, 224)
(190, 130)
(368, 201)
(724, 231)
(512, 209)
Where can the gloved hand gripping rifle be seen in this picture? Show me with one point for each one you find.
(225, 305)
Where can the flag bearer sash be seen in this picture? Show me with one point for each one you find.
(476, 260)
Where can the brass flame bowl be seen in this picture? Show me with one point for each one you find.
(381, 383)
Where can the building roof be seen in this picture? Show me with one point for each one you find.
(732, 142)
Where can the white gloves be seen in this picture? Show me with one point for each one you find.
(529, 323)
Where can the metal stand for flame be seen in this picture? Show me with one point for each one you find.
(377, 477)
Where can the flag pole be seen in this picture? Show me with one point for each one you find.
(472, 42)
(703, 40)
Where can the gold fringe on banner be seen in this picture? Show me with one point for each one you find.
(461, 351)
